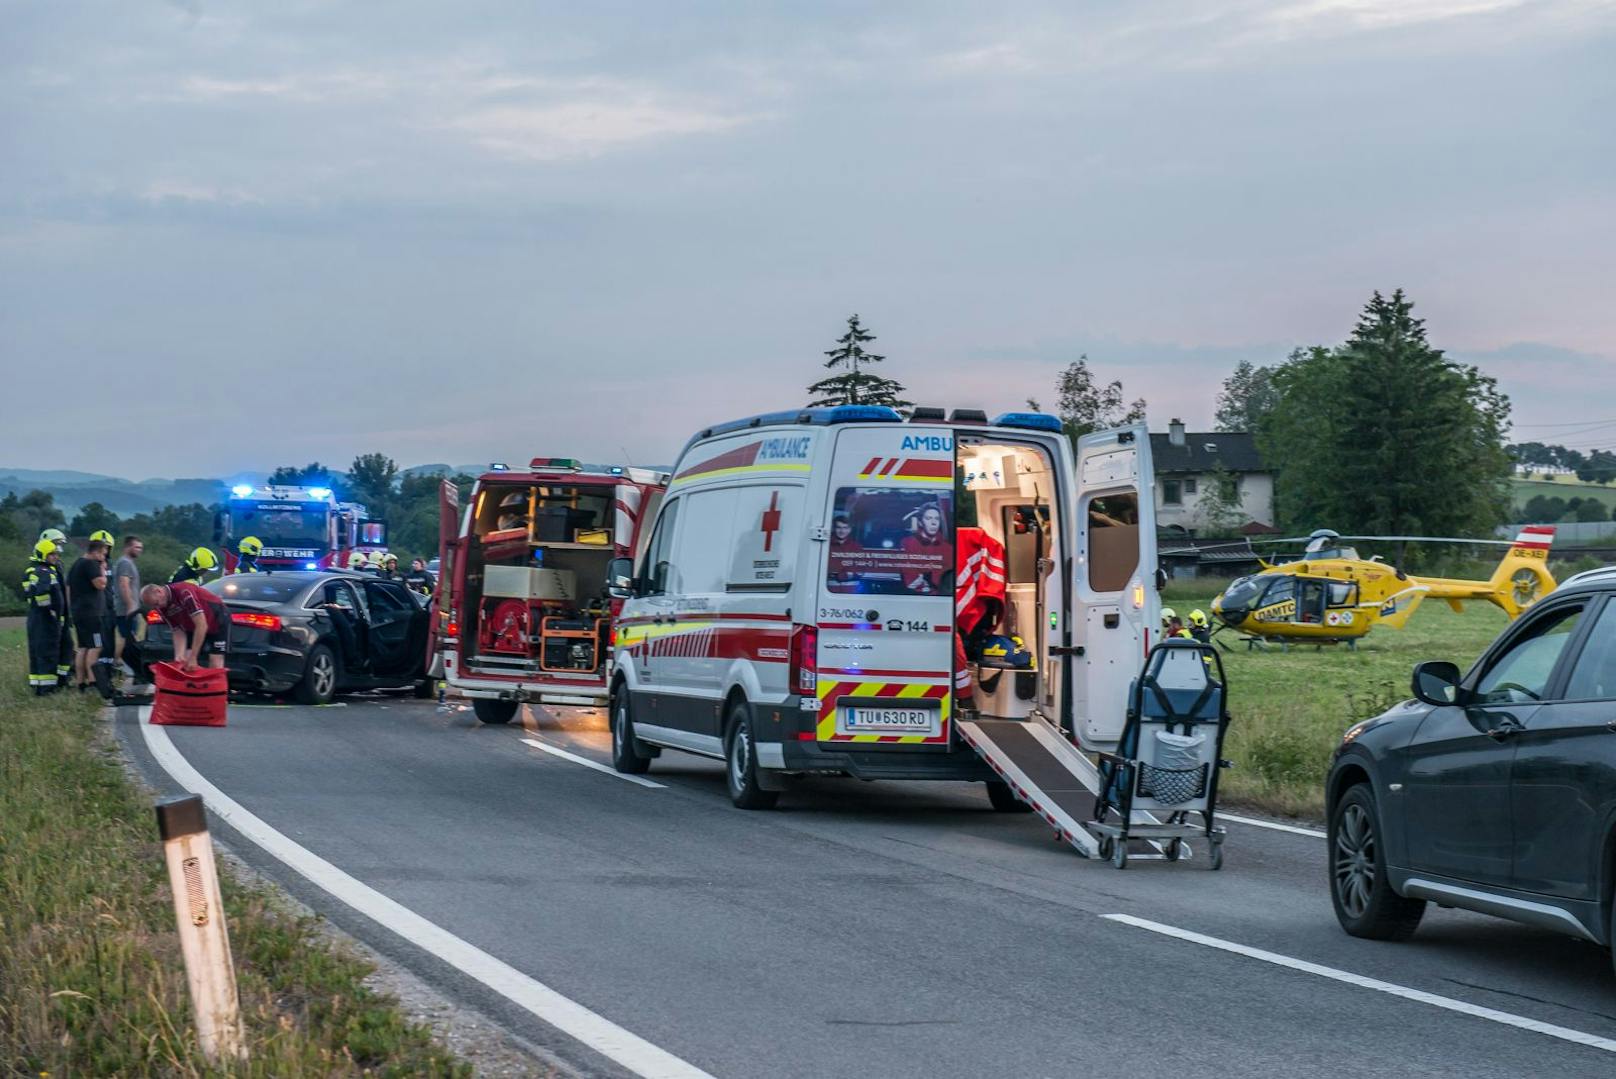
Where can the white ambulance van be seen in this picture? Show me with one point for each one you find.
(794, 609)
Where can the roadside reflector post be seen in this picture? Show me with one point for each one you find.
(183, 825)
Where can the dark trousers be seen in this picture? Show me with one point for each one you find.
(44, 641)
(129, 648)
(64, 650)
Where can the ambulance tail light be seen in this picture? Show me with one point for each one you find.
(255, 620)
(804, 673)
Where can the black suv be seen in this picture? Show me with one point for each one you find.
(1494, 791)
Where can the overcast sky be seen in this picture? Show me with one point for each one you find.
(240, 235)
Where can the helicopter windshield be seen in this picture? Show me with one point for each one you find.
(1243, 592)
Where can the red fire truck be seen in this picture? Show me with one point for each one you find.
(523, 609)
(300, 527)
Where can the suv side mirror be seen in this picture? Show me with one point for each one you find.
(1437, 682)
(620, 578)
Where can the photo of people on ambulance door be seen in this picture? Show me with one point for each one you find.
(888, 542)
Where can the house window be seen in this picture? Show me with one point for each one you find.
(1171, 495)
(1189, 486)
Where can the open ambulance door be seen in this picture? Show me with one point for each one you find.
(1115, 602)
(443, 592)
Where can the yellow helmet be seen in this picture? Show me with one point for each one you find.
(390, 557)
(1168, 614)
(55, 535)
(202, 559)
(44, 549)
(101, 535)
(251, 546)
(356, 560)
(378, 558)
(1197, 617)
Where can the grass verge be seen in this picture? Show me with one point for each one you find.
(1290, 708)
(91, 979)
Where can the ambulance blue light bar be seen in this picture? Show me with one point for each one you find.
(1029, 421)
(859, 414)
(818, 417)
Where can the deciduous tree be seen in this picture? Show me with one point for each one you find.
(1085, 405)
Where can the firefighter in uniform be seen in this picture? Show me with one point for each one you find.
(196, 566)
(357, 562)
(46, 594)
(1200, 626)
(247, 552)
(64, 642)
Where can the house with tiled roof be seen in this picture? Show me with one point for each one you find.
(1190, 467)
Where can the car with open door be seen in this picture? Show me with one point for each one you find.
(1492, 790)
(315, 634)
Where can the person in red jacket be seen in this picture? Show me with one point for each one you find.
(927, 537)
(198, 618)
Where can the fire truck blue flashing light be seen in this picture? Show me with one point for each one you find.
(241, 490)
(311, 565)
(616, 470)
(1031, 421)
(321, 493)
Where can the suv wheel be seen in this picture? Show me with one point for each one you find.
(1365, 904)
(740, 763)
(626, 757)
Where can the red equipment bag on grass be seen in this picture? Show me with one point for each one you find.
(193, 699)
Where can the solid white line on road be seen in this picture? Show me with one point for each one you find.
(599, 1033)
(587, 763)
(1275, 825)
(1593, 1041)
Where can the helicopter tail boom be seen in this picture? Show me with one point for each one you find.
(1521, 579)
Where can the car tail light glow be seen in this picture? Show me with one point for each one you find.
(153, 617)
(270, 622)
(804, 673)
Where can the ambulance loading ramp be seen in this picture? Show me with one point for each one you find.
(1044, 769)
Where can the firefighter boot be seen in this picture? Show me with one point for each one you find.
(103, 681)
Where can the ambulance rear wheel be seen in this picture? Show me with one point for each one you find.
(494, 712)
(1004, 799)
(740, 763)
(625, 757)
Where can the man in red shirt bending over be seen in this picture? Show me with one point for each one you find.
(199, 620)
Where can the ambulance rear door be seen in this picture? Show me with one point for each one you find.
(444, 590)
(885, 613)
(1115, 602)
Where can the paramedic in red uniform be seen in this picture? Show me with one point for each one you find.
(199, 620)
(927, 538)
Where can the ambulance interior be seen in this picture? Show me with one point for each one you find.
(535, 584)
(1011, 495)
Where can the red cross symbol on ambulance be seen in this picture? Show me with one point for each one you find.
(771, 521)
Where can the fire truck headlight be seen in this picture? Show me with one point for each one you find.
(241, 490)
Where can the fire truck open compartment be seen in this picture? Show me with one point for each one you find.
(535, 578)
(1010, 493)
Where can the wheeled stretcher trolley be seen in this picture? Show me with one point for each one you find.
(1166, 766)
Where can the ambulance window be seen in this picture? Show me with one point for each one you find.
(656, 571)
(701, 553)
(761, 554)
(891, 541)
(1113, 554)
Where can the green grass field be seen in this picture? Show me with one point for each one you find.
(1290, 708)
(1567, 487)
(91, 979)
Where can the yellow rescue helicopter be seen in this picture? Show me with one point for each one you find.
(1329, 594)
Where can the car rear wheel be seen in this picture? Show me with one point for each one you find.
(740, 763)
(1004, 799)
(1365, 904)
(494, 712)
(319, 682)
(625, 757)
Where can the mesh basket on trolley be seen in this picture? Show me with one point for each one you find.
(1167, 761)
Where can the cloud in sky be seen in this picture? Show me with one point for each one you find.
(455, 234)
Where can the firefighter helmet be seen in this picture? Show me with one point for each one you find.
(101, 535)
(1198, 617)
(55, 535)
(251, 546)
(44, 549)
(202, 560)
(356, 560)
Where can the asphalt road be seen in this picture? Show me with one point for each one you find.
(880, 929)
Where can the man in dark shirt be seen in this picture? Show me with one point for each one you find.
(87, 604)
(198, 618)
(419, 579)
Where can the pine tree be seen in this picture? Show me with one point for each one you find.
(855, 386)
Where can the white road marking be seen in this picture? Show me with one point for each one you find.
(1255, 823)
(587, 763)
(599, 1033)
(1510, 1019)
